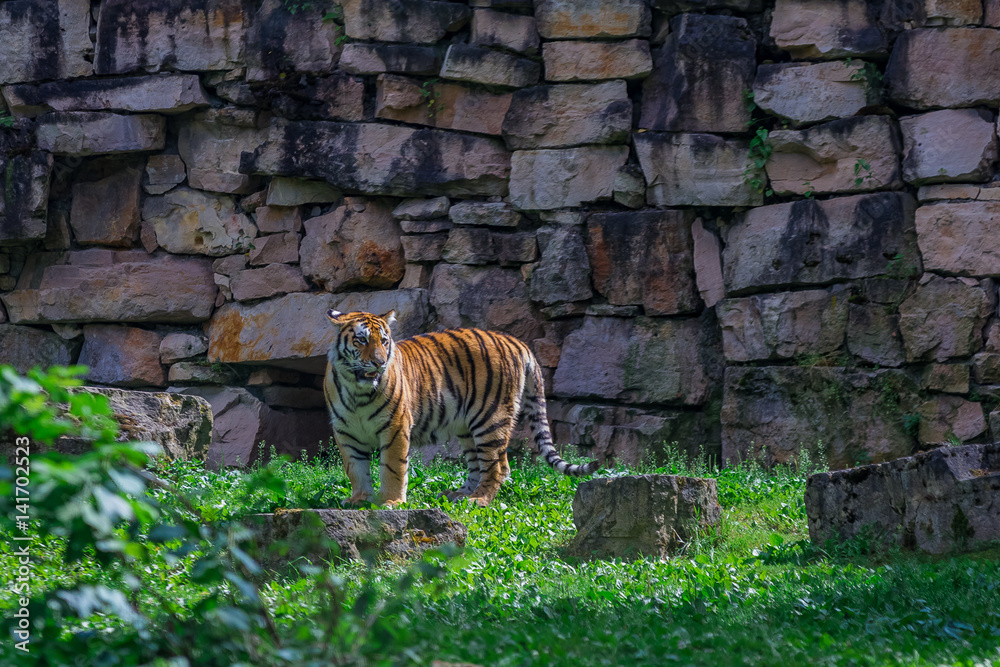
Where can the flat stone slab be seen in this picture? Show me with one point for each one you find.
(641, 515)
(392, 534)
(943, 500)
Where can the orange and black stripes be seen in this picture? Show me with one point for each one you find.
(384, 396)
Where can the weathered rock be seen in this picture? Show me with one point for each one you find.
(568, 115)
(268, 281)
(826, 29)
(230, 264)
(293, 397)
(263, 377)
(784, 325)
(813, 242)
(948, 418)
(275, 249)
(594, 61)
(281, 41)
(191, 372)
(25, 347)
(948, 146)
(181, 425)
(644, 258)
(488, 297)
(804, 93)
(561, 19)
(45, 39)
(191, 222)
(938, 501)
(695, 170)
(122, 356)
(947, 378)
(211, 147)
(159, 35)
(641, 515)
(106, 210)
(493, 214)
(355, 244)
(558, 178)
(177, 346)
(873, 334)
(24, 206)
(707, 264)
(848, 155)
(945, 317)
(169, 93)
(637, 436)
(960, 237)
(937, 13)
(987, 192)
(425, 247)
(468, 245)
(421, 21)
(564, 271)
(92, 132)
(417, 276)
(379, 58)
(857, 415)
(945, 67)
(630, 188)
(699, 76)
(507, 31)
(609, 357)
(443, 105)
(471, 63)
(422, 209)
(372, 535)
(295, 191)
(383, 159)
(426, 226)
(516, 248)
(163, 172)
(293, 331)
(106, 286)
(277, 219)
(986, 366)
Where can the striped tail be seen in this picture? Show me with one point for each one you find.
(534, 410)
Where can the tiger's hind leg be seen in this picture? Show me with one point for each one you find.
(472, 462)
(491, 453)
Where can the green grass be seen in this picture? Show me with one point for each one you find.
(752, 591)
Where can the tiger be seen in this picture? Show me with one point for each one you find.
(388, 396)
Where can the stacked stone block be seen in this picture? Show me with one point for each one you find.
(743, 226)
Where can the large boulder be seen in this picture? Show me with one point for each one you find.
(163, 34)
(96, 132)
(804, 93)
(27, 347)
(563, 274)
(280, 41)
(695, 170)
(568, 115)
(122, 356)
(293, 331)
(355, 244)
(847, 415)
(699, 76)
(945, 317)
(212, 144)
(945, 419)
(784, 325)
(394, 535)
(611, 358)
(168, 93)
(45, 39)
(937, 502)
(641, 515)
(959, 238)
(848, 155)
(948, 146)
(107, 286)
(488, 297)
(826, 29)
(559, 178)
(506, 31)
(644, 258)
(105, 209)
(485, 66)
(192, 222)
(812, 242)
(932, 68)
(383, 159)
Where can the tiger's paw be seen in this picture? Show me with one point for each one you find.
(455, 494)
(356, 500)
(482, 501)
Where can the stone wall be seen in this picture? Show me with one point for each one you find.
(189, 186)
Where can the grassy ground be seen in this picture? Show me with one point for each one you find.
(750, 592)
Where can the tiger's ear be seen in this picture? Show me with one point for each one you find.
(335, 316)
(390, 317)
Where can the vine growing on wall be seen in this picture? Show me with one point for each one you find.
(754, 175)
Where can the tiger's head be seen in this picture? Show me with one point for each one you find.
(363, 347)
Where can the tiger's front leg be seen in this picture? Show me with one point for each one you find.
(393, 461)
(357, 464)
